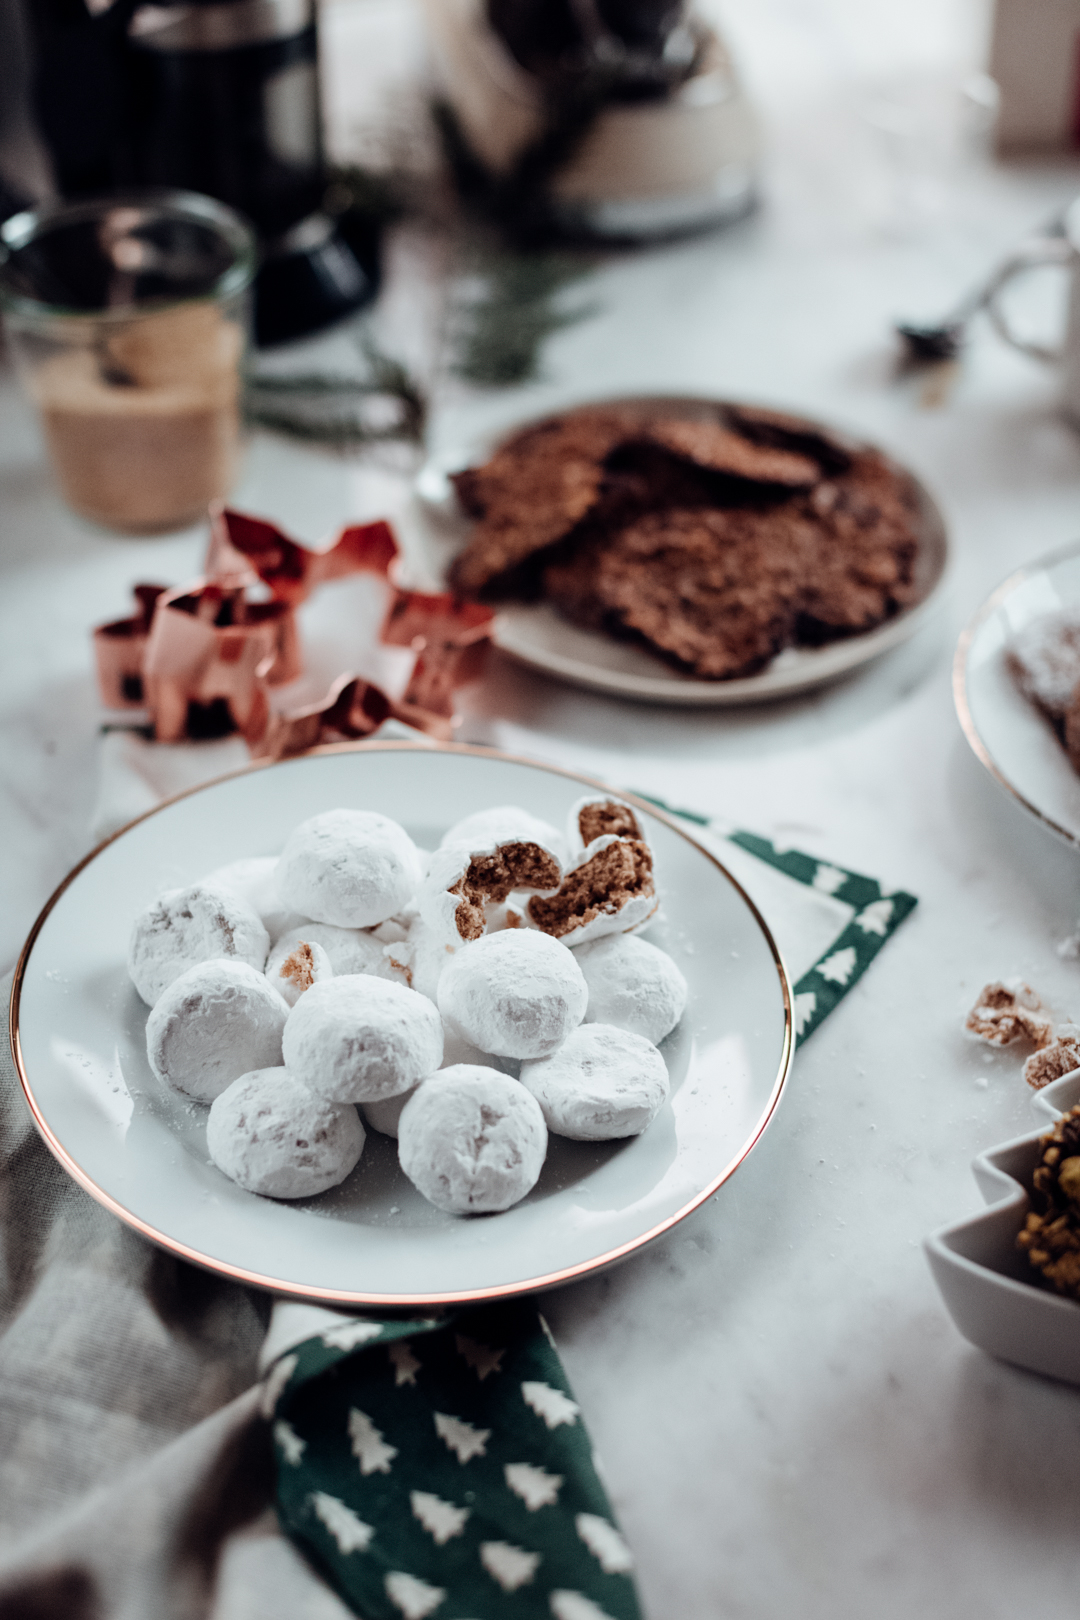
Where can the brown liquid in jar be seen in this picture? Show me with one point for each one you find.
(143, 425)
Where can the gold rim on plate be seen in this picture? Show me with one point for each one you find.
(329, 1296)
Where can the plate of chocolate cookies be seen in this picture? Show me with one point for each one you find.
(1016, 684)
(688, 551)
(394, 1025)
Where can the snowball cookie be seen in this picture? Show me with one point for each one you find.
(384, 1116)
(632, 985)
(359, 1039)
(472, 1140)
(348, 950)
(216, 1021)
(505, 824)
(253, 880)
(516, 993)
(464, 879)
(271, 1135)
(608, 889)
(597, 814)
(353, 868)
(301, 967)
(602, 1083)
(185, 926)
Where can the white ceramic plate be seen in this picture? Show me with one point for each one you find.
(78, 1037)
(1015, 742)
(986, 1282)
(538, 636)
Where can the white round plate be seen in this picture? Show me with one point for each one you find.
(78, 1038)
(1011, 737)
(538, 636)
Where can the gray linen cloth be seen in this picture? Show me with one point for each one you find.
(136, 1473)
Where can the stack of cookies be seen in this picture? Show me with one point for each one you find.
(717, 539)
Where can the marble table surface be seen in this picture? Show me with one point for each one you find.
(789, 1421)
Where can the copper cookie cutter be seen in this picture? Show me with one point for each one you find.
(201, 660)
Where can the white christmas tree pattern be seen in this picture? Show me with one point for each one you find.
(605, 1543)
(288, 1442)
(550, 1404)
(463, 1440)
(510, 1566)
(350, 1533)
(403, 1361)
(804, 1009)
(536, 1488)
(575, 1606)
(350, 1335)
(876, 917)
(276, 1379)
(441, 1519)
(839, 967)
(415, 1598)
(827, 879)
(479, 1357)
(368, 1446)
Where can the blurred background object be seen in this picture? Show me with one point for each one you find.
(128, 318)
(215, 96)
(609, 118)
(1035, 58)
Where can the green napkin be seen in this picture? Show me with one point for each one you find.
(441, 1468)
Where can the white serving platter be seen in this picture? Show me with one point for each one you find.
(140, 1149)
(535, 634)
(1015, 742)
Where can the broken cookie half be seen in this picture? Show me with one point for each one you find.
(462, 883)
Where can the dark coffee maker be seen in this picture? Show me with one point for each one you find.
(216, 96)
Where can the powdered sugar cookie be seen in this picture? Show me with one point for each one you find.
(609, 889)
(271, 1135)
(596, 814)
(472, 1140)
(632, 985)
(216, 1021)
(516, 993)
(253, 880)
(297, 970)
(464, 879)
(353, 868)
(187, 926)
(601, 1083)
(348, 950)
(359, 1039)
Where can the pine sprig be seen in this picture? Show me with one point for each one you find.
(498, 331)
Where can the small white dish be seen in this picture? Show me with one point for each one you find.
(983, 1277)
(537, 635)
(78, 1035)
(1008, 734)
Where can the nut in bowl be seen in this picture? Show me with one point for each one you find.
(140, 1144)
(687, 550)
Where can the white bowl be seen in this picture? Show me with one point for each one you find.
(985, 1280)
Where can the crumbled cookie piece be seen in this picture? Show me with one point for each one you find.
(1006, 1012)
(1051, 1234)
(1050, 1062)
(300, 967)
(609, 890)
(594, 816)
(492, 877)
